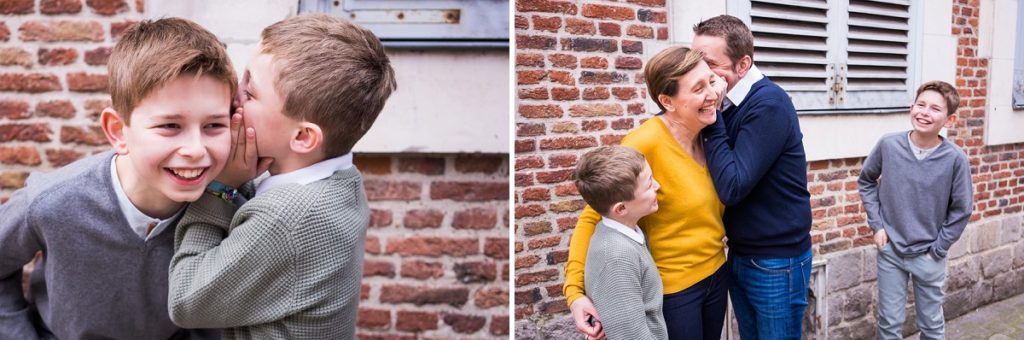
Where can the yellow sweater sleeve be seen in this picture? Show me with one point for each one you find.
(578, 244)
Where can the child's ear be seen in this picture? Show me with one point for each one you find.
(618, 209)
(307, 139)
(950, 122)
(113, 127)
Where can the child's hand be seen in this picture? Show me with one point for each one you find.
(881, 238)
(243, 163)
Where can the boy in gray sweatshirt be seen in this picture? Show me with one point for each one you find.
(105, 224)
(620, 276)
(916, 189)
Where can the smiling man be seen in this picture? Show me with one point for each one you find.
(756, 157)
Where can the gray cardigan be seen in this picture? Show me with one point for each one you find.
(287, 265)
(98, 279)
(923, 205)
(623, 282)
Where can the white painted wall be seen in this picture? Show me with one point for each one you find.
(842, 135)
(448, 100)
(998, 30)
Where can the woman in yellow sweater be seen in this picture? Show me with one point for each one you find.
(685, 234)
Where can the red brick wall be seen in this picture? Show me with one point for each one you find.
(437, 248)
(566, 68)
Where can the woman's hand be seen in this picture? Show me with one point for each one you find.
(582, 311)
(721, 87)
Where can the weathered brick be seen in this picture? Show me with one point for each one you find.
(488, 297)
(535, 42)
(640, 31)
(31, 83)
(378, 190)
(545, 275)
(21, 155)
(608, 12)
(634, 47)
(55, 108)
(522, 22)
(62, 30)
(11, 56)
(107, 7)
(567, 206)
(525, 145)
(396, 293)
(423, 218)
(551, 6)
(602, 78)
(563, 60)
(591, 45)
(422, 270)
(594, 62)
(499, 325)
(373, 318)
(562, 160)
(594, 125)
(476, 272)
(93, 108)
(469, 191)
(475, 218)
(565, 93)
(117, 29)
(530, 77)
(465, 324)
(629, 63)
(565, 127)
(647, 15)
(60, 6)
(17, 6)
(84, 82)
(5, 33)
(485, 164)
(14, 109)
(537, 93)
(432, 246)
(624, 93)
(575, 142)
(13, 180)
(496, 247)
(556, 176)
(36, 132)
(610, 29)
(528, 129)
(648, 3)
(97, 56)
(412, 321)
(622, 124)
(88, 135)
(562, 77)
(540, 111)
(594, 93)
(57, 56)
(422, 165)
(378, 268)
(549, 24)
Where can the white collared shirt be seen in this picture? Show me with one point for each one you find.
(742, 88)
(309, 174)
(633, 233)
(137, 220)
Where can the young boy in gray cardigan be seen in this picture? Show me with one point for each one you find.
(916, 189)
(105, 224)
(287, 264)
(620, 276)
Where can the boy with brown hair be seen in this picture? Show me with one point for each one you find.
(620, 275)
(918, 211)
(105, 224)
(288, 263)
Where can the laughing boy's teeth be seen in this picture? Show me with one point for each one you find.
(187, 173)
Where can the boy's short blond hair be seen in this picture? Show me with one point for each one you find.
(665, 68)
(331, 72)
(608, 175)
(947, 91)
(152, 53)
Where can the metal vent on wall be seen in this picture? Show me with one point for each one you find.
(425, 23)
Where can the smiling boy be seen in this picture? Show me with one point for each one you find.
(104, 224)
(917, 211)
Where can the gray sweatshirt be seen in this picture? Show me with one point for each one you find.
(623, 282)
(923, 205)
(98, 278)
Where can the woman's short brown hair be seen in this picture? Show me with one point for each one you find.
(152, 53)
(947, 91)
(665, 68)
(608, 175)
(332, 73)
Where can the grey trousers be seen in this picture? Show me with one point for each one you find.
(928, 275)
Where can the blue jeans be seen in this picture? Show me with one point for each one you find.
(698, 312)
(769, 295)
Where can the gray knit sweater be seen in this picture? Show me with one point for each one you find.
(623, 282)
(923, 205)
(99, 279)
(287, 265)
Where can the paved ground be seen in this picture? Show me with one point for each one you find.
(1003, 320)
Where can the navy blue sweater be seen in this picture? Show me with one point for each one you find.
(756, 156)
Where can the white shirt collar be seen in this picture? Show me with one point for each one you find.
(309, 174)
(742, 88)
(137, 220)
(633, 233)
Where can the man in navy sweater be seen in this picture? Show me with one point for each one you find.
(756, 157)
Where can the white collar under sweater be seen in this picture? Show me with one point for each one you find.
(137, 220)
(309, 174)
(742, 88)
(633, 233)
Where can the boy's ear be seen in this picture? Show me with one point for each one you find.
(950, 121)
(307, 139)
(618, 209)
(113, 127)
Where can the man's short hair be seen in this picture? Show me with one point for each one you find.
(152, 53)
(608, 175)
(947, 91)
(332, 73)
(665, 68)
(738, 39)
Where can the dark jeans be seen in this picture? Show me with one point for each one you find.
(769, 296)
(699, 311)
